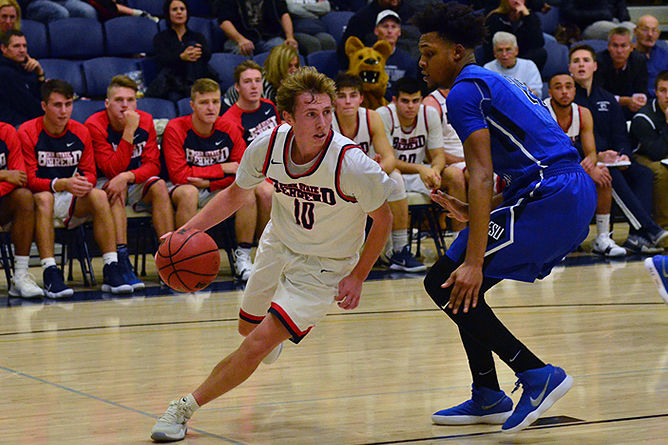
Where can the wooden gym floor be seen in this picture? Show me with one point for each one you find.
(99, 370)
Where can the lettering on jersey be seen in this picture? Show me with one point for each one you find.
(137, 149)
(3, 160)
(207, 157)
(59, 159)
(603, 105)
(364, 146)
(261, 127)
(412, 143)
(306, 192)
(495, 231)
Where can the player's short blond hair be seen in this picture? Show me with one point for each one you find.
(202, 86)
(121, 81)
(305, 80)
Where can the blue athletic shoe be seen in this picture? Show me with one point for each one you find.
(127, 270)
(54, 284)
(657, 267)
(542, 387)
(485, 406)
(113, 280)
(404, 260)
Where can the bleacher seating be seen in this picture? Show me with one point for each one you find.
(224, 64)
(67, 70)
(549, 20)
(83, 109)
(557, 59)
(325, 61)
(336, 22)
(37, 37)
(153, 7)
(76, 38)
(150, 68)
(158, 108)
(128, 35)
(99, 71)
(183, 107)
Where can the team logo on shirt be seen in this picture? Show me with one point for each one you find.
(207, 157)
(306, 192)
(3, 160)
(411, 143)
(261, 127)
(59, 159)
(137, 149)
(603, 105)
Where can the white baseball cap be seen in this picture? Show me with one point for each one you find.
(386, 14)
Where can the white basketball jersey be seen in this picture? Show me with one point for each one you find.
(363, 133)
(573, 130)
(451, 142)
(310, 213)
(412, 146)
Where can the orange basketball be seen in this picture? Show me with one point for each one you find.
(188, 260)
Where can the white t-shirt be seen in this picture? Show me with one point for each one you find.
(524, 70)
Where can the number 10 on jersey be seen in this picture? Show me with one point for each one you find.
(304, 214)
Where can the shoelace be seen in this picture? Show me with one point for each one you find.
(518, 383)
(173, 410)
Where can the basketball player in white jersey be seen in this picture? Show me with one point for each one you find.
(324, 188)
(578, 124)
(366, 129)
(453, 179)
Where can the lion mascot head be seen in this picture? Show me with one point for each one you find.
(369, 64)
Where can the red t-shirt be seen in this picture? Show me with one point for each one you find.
(11, 157)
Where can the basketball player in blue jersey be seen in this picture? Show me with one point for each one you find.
(542, 215)
(308, 256)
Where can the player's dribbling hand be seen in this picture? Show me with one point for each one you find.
(350, 289)
(466, 281)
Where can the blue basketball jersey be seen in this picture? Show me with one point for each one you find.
(525, 139)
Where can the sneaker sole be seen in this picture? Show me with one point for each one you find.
(14, 293)
(608, 255)
(651, 268)
(138, 286)
(159, 436)
(408, 269)
(273, 355)
(124, 289)
(491, 419)
(556, 394)
(56, 295)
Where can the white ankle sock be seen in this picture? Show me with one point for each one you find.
(109, 257)
(603, 225)
(20, 265)
(399, 239)
(191, 402)
(48, 262)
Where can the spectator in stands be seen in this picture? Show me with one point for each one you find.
(578, 124)
(60, 164)
(10, 16)
(514, 17)
(21, 77)
(306, 20)
(183, 55)
(17, 206)
(49, 10)
(415, 133)
(202, 152)
(254, 27)
(506, 62)
(108, 9)
(623, 71)
(650, 128)
(363, 24)
(400, 64)
(282, 61)
(647, 33)
(254, 115)
(128, 162)
(595, 18)
(631, 183)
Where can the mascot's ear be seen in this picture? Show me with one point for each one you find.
(353, 44)
(383, 47)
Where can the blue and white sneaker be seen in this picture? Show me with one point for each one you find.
(657, 266)
(405, 261)
(485, 406)
(127, 270)
(542, 387)
(54, 284)
(113, 280)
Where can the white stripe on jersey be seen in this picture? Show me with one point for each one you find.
(363, 136)
(451, 142)
(574, 129)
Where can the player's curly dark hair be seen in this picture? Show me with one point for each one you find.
(454, 22)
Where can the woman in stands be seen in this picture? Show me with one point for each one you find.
(183, 55)
(10, 16)
(282, 61)
(514, 17)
